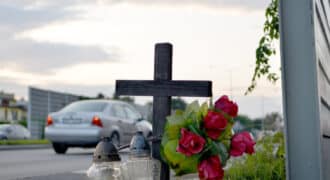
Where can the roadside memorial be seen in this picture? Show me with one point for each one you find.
(162, 88)
(207, 129)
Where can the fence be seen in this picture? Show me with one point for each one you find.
(43, 102)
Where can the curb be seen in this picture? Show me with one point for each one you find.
(24, 147)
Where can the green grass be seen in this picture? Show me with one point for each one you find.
(268, 163)
(24, 142)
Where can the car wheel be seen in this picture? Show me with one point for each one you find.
(4, 138)
(60, 148)
(115, 139)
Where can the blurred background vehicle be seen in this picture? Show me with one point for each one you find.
(14, 131)
(83, 123)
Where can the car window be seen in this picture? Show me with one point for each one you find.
(131, 114)
(85, 106)
(118, 111)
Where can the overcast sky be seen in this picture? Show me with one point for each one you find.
(83, 46)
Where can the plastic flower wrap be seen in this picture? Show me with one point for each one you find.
(200, 139)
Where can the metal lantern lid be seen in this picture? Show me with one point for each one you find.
(105, 151)
(139, 146)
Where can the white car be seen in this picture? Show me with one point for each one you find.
(13, 131)
(84, 123)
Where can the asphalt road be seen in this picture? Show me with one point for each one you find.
(38, 164)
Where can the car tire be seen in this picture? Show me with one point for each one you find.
(115, 139)
(4, 138)
(60, 148)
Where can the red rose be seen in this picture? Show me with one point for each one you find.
(190, 143)
(227, 106)
(210, 169)
(240, 143)
(214, 124)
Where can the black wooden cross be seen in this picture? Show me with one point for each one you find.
(162, 88)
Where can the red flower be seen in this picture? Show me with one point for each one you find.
(240, 143)
(190, 143)
(227, 106)
(214, 124)
(210, 169)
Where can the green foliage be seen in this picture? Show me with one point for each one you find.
(123, 98)
(5, 122)
(190, 119)
(23, 123)
(248, 123)
(24, 142)
(178, 103)
(266, 49)
(180, 163)
(221, 149)
(268, 163)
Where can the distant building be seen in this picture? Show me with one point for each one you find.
(10, 109)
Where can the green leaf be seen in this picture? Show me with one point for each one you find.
(170, 153)
(194, 129)
(189, 165)
(173, 125)
(180, 163)
(203, 110)
(227, 133)
(219, 148)
(265, 47)
(191, 108)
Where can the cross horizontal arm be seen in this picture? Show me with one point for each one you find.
(164, 88)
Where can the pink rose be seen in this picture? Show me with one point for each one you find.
(190, 143)
(240, 143)
(210, 169)
(214, 124)
(227, 106)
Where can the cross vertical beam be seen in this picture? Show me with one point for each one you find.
(162, 88)
(161, 104)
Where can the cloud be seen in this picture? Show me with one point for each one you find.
(15, 18)
(37, 57)
(40, 57)
(215, 4)
(20, 89)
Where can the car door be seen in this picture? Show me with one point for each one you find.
(121, 121)
(19, 132)
(132, 117)
(10, 132)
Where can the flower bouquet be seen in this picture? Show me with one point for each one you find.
(200, 139)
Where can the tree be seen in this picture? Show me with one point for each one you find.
(245, 121)
(266, 47)
(100, 96)
(273, 122)
(128, 99)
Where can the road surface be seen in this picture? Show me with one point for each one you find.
(38, 164)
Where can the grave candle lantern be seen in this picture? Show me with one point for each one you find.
(106, 161)
(140, 164)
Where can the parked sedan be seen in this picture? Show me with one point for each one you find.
(14, 131)
(83, 123)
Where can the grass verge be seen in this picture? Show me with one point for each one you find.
(24, 142)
